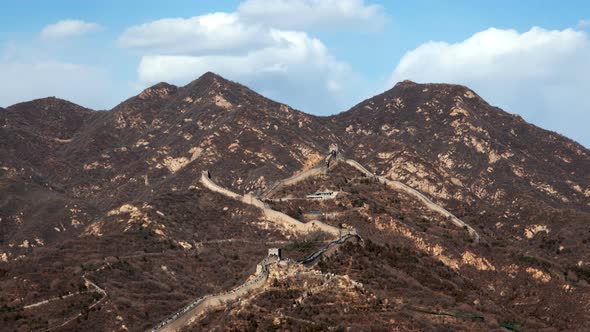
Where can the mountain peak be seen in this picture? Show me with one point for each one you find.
(211, 75)
(215, 87)
(160, 90)
(432, 90)
(406, 82)
(47, 104)
(210, 80)
(432, 85)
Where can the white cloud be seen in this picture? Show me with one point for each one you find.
(68, 28)
(540, 74)
(303, 14)
(584, 24)
(258, 45)
(295, 69)
(196, 35)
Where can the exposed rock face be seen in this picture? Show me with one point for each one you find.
(102, 183)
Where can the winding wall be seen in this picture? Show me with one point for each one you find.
(315, 171)
(413, 192)
(313, 257)
(276, 217)
(188, 314)
(191, 312)
(207, 182)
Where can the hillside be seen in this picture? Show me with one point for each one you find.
(510, 178)
(116, 197)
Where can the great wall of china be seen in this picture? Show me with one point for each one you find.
(189, 313)
(336, 156)
(330, 247)
(291, 224)
(314, 171)
(192, 311)
(396, 185)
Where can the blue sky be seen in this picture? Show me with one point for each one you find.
(320, 56)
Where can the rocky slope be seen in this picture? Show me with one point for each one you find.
(513, 179)
(79, 188)
(415, 265)
(469, 149)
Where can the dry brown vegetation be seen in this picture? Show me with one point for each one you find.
(115, 196)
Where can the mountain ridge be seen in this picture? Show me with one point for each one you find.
(211, 78)
(79, 188)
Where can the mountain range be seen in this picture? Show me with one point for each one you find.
(115, 199)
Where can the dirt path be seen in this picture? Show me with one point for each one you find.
(97, 289)
(57, 298)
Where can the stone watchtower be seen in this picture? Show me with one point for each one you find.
(334, 149)
(275, 252)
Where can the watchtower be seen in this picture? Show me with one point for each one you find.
(275, 252)
(333, 149)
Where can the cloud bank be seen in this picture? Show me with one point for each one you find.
(309, 14)
(216, 32)
(68, 28)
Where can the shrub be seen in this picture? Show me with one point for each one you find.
(535, 262)
(582, 272)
